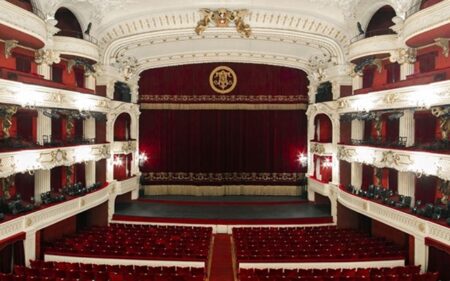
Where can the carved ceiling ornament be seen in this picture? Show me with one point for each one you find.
(223, 79)
(222, 18)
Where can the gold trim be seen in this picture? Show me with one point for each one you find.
(220, 79)
(219, 106)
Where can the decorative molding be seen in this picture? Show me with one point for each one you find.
(403, 55)
(402, 160)
(434, 94)
(222, 106)
(48, 158)
(144, 98)
(321, 149)
(443, 43)
(124, 147)
(223, 80)
(222, 177)
(9, 46)
(382, 44)
(47, 56)
(222, 18)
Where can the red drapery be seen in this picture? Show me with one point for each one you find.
(367, 177)
(122, 127)
(12, 252)
(344, 172)
(25, 185)
(425, 127)
(222, 141)
(325, 133)
(426, 189)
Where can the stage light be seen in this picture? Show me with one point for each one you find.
(302, 159)
(142, 158)
(327, 163)
(118, 161)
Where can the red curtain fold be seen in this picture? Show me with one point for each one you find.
(222, 141)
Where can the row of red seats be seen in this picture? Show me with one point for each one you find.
(141, 242)
(335, 244)
(62, 271)
(401, 273)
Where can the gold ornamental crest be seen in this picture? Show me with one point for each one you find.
(223, 79)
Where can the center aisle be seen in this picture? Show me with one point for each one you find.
(222, 262)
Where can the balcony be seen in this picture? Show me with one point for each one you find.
(381, 44)
(320, 148)
(423, 27)
(433, 94)
(127, 185)
(47, 158)
(76, 47)
(26, 95)
(124, 147)
(49, 215)
(319, 187)
(401, 160)
(21, 25)
(396, 218)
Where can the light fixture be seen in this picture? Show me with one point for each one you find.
(302, 159)
(142, 158)
(117, 161)
(327, 163)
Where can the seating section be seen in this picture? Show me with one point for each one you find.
(137, 242)
(62, 271)
(402, 273)
(312, 244)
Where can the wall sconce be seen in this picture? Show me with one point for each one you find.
(302, 159)
(327, 163)
(118, 161)
(142, 158)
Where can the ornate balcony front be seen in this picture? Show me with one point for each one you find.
(396, 218)
(320, 148)
(76, 47)
(401, 160)
(21, 25)
(127, 185)
(381, 44)
(434, 94)
(47, 216)
(47, 158)
(26, 95)
(427, 25)
(124, 147)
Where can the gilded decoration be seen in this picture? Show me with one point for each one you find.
(318, 148)
(223, 80)
(222, 18)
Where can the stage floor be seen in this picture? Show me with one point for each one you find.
(224, 210)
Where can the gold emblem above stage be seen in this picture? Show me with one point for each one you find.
(223, 79)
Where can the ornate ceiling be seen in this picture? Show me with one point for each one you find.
(142, 34)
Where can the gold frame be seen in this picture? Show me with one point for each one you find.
(226, 69)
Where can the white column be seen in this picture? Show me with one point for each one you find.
(90, 172)
(406, 184)
(407, 127)
(90, 82)
(45, 70)
(41, 183)
(30, 247)
(406, 69)
(357, 129)
(43, 127)
(89, 128)
(357, 82)
(420, 253)
(356, 175)
(317, 168)
(336, 139)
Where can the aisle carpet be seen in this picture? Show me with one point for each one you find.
(222, 263)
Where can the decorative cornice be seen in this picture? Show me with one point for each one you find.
(222, 106)
(222, 18)
(143, 98)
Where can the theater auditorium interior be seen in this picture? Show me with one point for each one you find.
(224, 140)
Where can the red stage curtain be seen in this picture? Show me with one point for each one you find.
(426, 189)
(222, 141)
(253, 80)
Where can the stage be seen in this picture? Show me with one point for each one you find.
(223, 210)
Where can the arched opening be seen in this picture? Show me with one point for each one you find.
(380, 22)
(68, 24)
(323, 128)
(122, 127)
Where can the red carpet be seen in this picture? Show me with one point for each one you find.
(222, 263)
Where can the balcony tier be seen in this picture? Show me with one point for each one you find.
(376, 45)
(76, 47)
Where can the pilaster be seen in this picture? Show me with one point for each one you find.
(41, 183)
(407, 127)
(43, 127)
(406, 184)
(356, 175)
(357, 129)
(90, 172)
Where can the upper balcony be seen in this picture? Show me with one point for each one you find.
(19, 24)
(76, 47)
(433, 94)
(427, 25)
(402, 160)
(379, 45)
